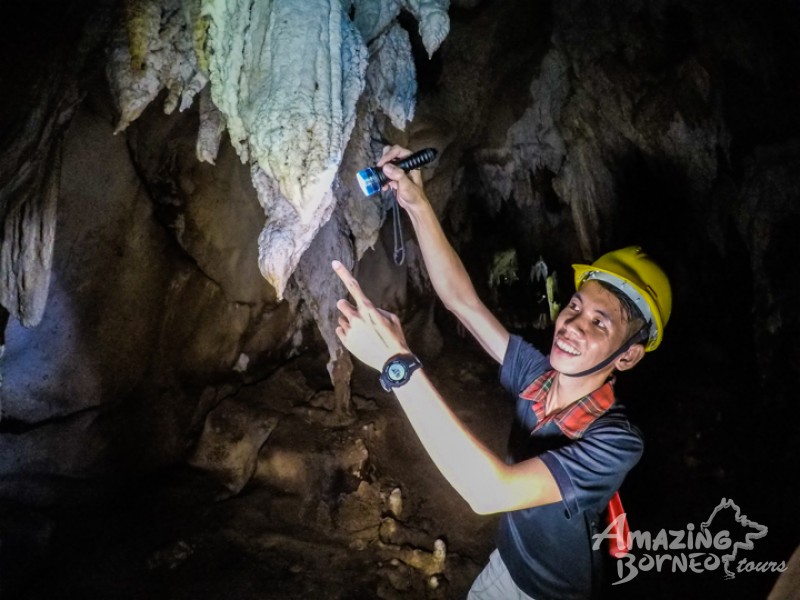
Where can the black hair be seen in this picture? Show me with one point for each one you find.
(630, 312)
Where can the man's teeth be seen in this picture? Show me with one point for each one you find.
(567, 348)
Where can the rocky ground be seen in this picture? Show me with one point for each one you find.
(279, 501)
(351, 511)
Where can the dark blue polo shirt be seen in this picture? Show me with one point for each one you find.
(548, 549)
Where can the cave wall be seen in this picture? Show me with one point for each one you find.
(149, 301)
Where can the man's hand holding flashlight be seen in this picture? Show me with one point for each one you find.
(371, 334)
(408, 186)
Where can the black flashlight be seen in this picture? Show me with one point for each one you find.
(372, 179)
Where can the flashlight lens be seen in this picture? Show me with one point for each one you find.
(369, 182)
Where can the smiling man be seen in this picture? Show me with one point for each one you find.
(571, 443)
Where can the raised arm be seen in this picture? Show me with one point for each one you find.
(447, 272)
(488, 484)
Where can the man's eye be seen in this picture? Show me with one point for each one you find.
(599, 324)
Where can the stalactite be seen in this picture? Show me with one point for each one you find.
(391, 77)
(372, 17)
(289, 107)
(212, 125)
(152, 53)
(29, 184)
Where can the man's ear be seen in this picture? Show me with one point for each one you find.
(629, 358)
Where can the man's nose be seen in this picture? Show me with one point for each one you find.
(576, 323)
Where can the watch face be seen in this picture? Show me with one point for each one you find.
(396, 371)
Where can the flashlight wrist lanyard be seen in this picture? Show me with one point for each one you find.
(372, 179)
(399, 254)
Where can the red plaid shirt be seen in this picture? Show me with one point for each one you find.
(575, 418)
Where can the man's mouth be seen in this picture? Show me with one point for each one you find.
(568, 348)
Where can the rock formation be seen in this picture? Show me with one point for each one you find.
(289, 107)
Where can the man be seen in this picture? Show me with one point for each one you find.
(572, 445)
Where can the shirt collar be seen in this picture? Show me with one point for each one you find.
(574, 419)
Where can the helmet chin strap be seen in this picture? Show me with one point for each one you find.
(636, 338)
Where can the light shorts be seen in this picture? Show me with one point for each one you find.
(495, 583)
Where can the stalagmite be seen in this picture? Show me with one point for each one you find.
(396, 503)
(430, 563)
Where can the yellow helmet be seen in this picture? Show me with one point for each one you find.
(637, 276)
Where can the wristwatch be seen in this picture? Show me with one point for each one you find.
(398, 369)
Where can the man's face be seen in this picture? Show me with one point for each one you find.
(589, 329)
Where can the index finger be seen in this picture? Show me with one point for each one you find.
(393, 153)
(350, 283)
